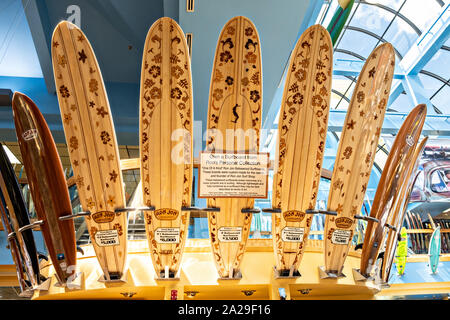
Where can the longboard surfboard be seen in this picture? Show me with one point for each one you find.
(91, 139)
(399, 209)
(302, 132)
(356, 152)
(434, 249)
(402, 252)
(19, 218)
(166, 113)
(47, 183)
(339, 19)
(393, 177)
(235, 103)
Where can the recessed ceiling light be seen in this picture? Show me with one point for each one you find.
(11, 156)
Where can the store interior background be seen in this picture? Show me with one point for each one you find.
(419, 31)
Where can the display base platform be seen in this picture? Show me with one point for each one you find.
(198, 278)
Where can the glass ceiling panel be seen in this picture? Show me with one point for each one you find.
(421, 15)
(430, 85)
(439, 64)
(372, 18)
(441, 99)
(401, 104)
(341, 84)
(401, 35)
(358, 42)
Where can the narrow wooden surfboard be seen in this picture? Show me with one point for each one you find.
(92, 144)
(235, 102)
(356, 152)
(399, 210)
(166, 113)
(393, 177)
(18, 216)
(302, 132)
(47, 183)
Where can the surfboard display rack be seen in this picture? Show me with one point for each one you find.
(286, 274)
(31, 226)
(167, 275)
(200, 209)
(360, 277)
(271, 210)
(326, 212)
(366, 218)
(75, 215)
(233, 275)
(329, 275)
(114, 278)
(251, 210)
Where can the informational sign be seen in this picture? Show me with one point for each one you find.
(292, 234)
(230, 234)
(341, 236)
(167, 235)
(233, 175)
(106, 238)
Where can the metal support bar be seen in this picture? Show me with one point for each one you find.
(390, 227)
(271, 210)
(200, 209)
(127, 209)
(75, 215)
(31, 226)
(11, 236)
(251, 210)
(366, 218)
(327, 212)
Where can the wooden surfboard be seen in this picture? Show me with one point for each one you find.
(434, 249)
(166, 112)
(302, 132)
(235, 102)
(393, 177)
(18, 215)
(92, 144)
(47, 183)
(339, 19)
(356, 152)
(399, 210)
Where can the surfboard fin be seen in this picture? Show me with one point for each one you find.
(80, 250)
(359, 246)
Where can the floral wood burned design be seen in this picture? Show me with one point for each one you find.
(165, 109)
(357, 147)
(301, 141)
(90, 136)
(235, 102)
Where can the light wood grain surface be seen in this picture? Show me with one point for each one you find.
(356, 153)
(92, 144)
(302, 132)
(399, 209)
(235, 102)
(393, 178)
(166, 114)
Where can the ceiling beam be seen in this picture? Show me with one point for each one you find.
(41, 32)
(423, 50)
